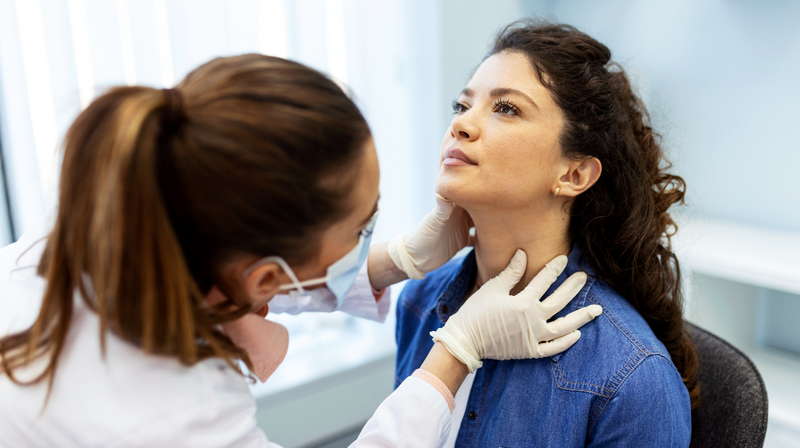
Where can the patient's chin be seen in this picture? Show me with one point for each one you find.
(458, 194)
(447, 189)
(473, 198)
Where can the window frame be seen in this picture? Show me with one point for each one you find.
(9, 235)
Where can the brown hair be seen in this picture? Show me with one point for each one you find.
(621, 223)
(159, 188)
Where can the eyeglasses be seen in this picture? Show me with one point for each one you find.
(370, 227)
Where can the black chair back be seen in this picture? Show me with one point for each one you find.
(733, 406)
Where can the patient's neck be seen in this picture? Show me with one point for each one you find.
(542, 234)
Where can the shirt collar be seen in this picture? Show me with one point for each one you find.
(456, 286)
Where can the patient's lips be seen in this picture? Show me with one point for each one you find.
(456, 157)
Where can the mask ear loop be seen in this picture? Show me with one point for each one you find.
(283, 264)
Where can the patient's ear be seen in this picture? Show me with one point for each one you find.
(578, 176)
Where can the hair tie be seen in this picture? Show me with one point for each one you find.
(174, 113)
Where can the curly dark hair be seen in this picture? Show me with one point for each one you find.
(621, 223)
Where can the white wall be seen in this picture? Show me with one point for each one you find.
(779, 320)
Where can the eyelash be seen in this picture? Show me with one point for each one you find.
(459, 108)
(514, 110)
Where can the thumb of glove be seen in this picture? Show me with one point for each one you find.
(512, 274)
(444, 208)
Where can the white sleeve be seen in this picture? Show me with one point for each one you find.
(359, 302)
(415, 415)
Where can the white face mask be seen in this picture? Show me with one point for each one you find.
(340, 275)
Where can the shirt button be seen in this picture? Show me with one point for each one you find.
(444, 309)
(472, 415)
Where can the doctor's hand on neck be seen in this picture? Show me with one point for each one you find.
(433, 242)
(494, 324)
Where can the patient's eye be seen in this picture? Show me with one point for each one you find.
(505, 107)
(458, 108)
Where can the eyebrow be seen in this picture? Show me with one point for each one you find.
(372, 213)
(502, 91)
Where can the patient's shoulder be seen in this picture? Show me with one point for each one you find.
(611, 347)
(622, 320)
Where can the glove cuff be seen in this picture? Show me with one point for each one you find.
(457, 346)
(402, 259)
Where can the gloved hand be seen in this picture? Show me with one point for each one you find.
(434, 241)
(495, 325)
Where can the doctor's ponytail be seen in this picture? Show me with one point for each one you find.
(159, 188)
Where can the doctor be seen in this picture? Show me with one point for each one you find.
(182, 214)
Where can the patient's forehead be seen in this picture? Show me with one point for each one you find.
(508, 70)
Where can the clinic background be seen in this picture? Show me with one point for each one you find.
(719, 78)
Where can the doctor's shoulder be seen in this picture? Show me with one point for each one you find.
(129, 398)
(209, 405)
(172, 404)
(125, 397)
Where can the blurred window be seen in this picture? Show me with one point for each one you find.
(6, 223)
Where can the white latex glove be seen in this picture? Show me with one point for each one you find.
(434, 241)
(495, 325)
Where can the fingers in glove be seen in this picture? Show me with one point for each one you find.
(556, 301)
(574, 320)
(558, 345)
(443, 208)
(513, 273)
(539, 285)
(459, 225)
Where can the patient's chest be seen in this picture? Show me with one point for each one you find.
(516, 404)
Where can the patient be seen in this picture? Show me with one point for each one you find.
(550, 151)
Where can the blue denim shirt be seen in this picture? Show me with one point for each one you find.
(615, 387)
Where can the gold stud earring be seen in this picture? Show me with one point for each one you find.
(555, 193)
